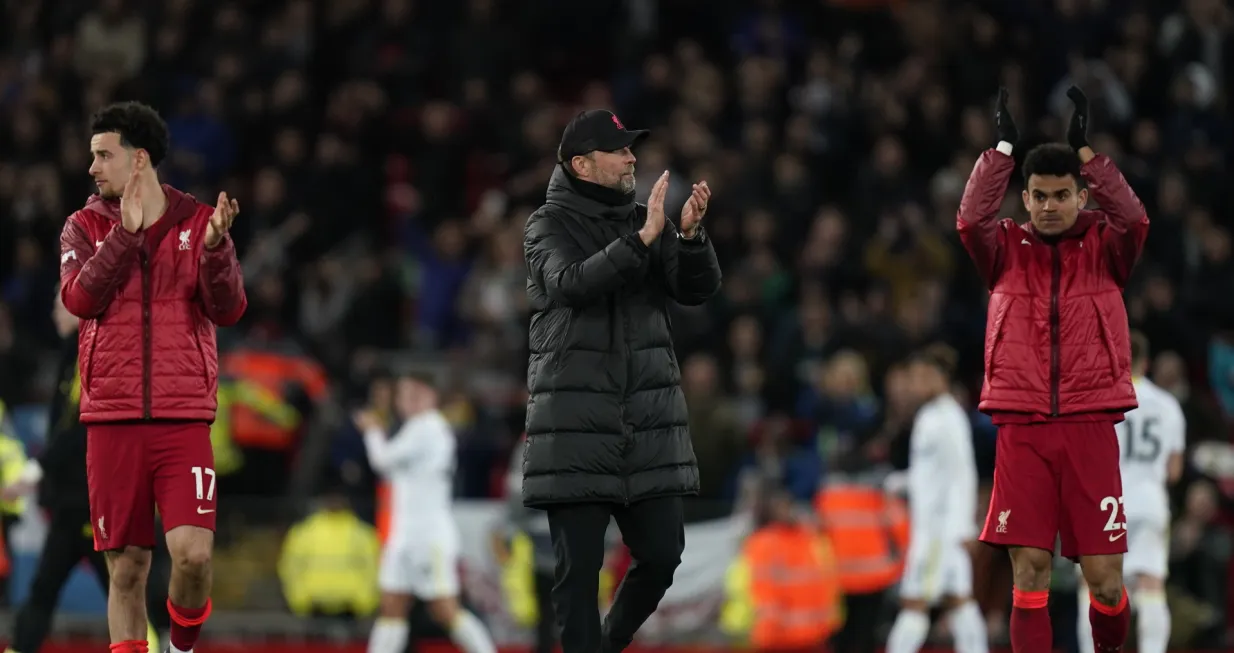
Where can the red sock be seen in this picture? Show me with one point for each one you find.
(131, 646)
(186, 624)
(1110, 624)
(1030, 622)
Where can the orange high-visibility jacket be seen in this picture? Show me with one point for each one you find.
(868, 530)
(794, 587)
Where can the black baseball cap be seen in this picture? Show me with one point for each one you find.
(596, 130)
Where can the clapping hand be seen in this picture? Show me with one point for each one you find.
(131, 210)
(366, 421)
(225, 212)
(655, 211)
(694, 210)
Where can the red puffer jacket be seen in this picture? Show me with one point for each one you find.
(1057, 341)
(149, 303)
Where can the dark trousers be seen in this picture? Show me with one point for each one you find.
(546, 627)
(67, 544)
(654, 532)
(861, 621)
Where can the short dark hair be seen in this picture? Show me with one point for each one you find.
(139, 127)
(1053, 160)
(1139, 347)
(939, 355)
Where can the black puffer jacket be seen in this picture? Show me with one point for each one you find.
(606, 420)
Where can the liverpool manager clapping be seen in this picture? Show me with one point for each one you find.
(607, 433)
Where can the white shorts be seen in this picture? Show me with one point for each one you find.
(425, 570)
(935, 569)
(1148, 550)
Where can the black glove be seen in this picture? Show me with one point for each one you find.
(1077, 130)
(1003, 123)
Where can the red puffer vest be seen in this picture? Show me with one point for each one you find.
(1057, 339)
(149, 303)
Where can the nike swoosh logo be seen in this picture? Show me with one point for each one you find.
(203, 511)
(1113, 538)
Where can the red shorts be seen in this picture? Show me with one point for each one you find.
(1058, 481)
(132, 467)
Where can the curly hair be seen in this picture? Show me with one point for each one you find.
(139, 127)
(1053, 160)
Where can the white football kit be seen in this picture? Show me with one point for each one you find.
(421, 555)
(1147, 438)
(942, 497)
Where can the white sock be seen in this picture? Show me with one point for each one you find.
(388, 636)
(172, 649)
(908, 632)
(1153, 628)
(469, 633)
(1083, 628)
(968, 628)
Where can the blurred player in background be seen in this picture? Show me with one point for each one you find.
(151, 272)
(420, 560)
(1057, 366)
(942, 496)
(59, 473)
(1151, 441)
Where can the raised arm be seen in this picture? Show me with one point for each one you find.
(977, 221)
(570, 278)
(1126, 222)
(691, 269)
(220, 284)
(385, 454)
(91, 273)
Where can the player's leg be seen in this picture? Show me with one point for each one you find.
(1023, 517)
(963, 615)
(1084, 629)
(577, 531)
(464, 628)
(919, 589)
(185, 490)
(390, 629)
(1146, 566)
(122, 512)
(654, 531)
(1093, 529)
(434, 580)
(1153, 625)
(63, 547)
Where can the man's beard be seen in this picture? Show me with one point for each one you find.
(625, 184)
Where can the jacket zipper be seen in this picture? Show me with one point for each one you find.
(1055, 372)
(147, 356)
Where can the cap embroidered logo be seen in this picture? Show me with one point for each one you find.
(617, 122)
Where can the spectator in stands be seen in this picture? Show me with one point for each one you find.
(1200, 553)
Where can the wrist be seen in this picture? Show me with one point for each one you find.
(1004, 147)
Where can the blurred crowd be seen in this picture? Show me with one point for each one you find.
(386, 154)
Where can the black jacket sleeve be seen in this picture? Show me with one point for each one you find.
(691, 269)
(555, 262)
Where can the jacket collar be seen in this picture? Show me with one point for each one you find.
(568, 193)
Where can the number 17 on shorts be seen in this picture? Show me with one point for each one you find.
(132, 468)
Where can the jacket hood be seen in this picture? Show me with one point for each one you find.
(180, 205)
(565, 191)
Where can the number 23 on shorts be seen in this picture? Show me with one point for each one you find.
(1113, 506)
